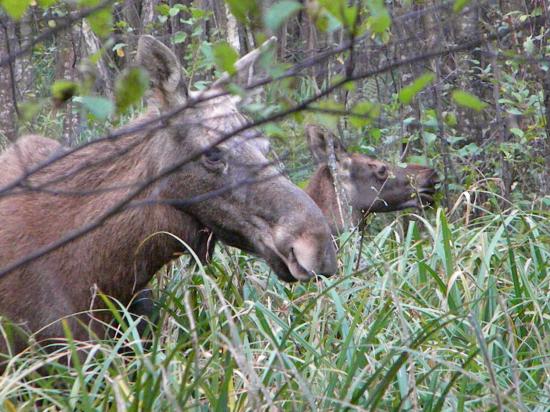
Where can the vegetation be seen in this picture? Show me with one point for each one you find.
(440, 309)
(443, 314)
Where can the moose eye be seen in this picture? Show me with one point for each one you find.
(213, 155)
(213, 159)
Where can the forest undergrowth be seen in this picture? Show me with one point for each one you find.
(443, 311)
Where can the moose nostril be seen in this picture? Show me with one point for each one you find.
(307, 256)
(382, 172)
(292, 255)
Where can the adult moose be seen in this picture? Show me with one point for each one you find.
(369, 185)
(256, 209)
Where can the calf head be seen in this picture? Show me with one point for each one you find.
(372, 185)
(225, 180)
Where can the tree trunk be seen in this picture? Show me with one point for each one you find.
(132, 12)
(69, 51)
(104, 76)
(8, 102)
(503, 134)
(233, 31)
(24, 65)
(148, 15)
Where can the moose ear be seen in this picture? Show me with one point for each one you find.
(161, 64)
(319, 140)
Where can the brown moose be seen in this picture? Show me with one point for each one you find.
(268, 216)
(369, 185)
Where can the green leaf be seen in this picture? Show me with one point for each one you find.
(303, 184)
(327, 23)
(179, 37)
(199, 14)
(450, 119)
(46, 3)
(419, 160)
(15, 8)
(28, 110)
(100, 107)
(273, 130)
(350, 86)
(101, 22)
(279, 12)
(379, 20)
(513, 110)
(328, 119)
(363, 112)
(409, 92)
(350, 16)
(200, 85)
(130, 88)
(63, 90)
(244, 10)
(174, 11)
(379, 23)
(468, 100)
(469, 150)
(162, 9)
(429, 137)
(529, 45)
(459, 5)
(517, 132)
(375, 134)
(334, 7)
(208, 52)
(225, 57)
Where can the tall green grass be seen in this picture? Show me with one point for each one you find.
(441, 312)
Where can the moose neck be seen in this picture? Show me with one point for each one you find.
(321, 189)
(121, 254)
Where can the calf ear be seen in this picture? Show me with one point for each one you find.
(162, 65)
(319, 140)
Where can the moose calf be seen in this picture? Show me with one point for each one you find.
(369, 185)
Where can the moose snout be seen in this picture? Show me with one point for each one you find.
(433, 178)
(301, 239)
(308, 255)
(427, 179)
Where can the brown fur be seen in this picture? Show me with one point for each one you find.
(369, 185)
(271, 217)
(111, 259)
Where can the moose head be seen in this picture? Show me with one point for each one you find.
(369, 185)
(257, 209)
